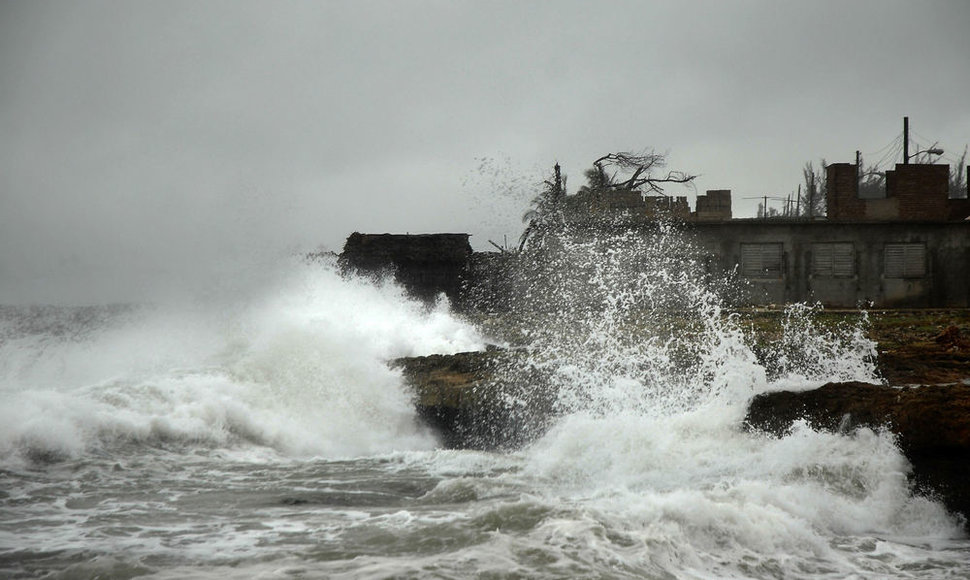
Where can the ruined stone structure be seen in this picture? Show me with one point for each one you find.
(715, 205)
(426, 265)
(633, 206)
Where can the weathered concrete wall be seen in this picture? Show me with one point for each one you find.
(945, 281)
(938, 273)
(888, 265)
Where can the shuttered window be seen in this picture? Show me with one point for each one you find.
(761, 260)
(905, 260)
(833, 260)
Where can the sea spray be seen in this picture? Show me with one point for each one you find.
(634, 319)
(808, 354)
(627, 320)
(220, 465)
(650, 367)
(301, 370)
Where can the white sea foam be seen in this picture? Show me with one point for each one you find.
(650, 446)
(302, 370)
(646, 470)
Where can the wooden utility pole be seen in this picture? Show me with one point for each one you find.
(905, 140)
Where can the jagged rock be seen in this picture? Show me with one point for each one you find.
(454, 380)
(932, 424)
(474, 400)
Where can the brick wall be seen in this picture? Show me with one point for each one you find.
(914, 192)
(921, 191)
(660, 206)
(842, 193)
(624, 200)
(959, 202)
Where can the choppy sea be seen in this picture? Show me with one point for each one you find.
(271, 440)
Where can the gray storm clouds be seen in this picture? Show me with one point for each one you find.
(155, 145)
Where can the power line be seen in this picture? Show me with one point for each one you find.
(924, 137)
(891, 143)
(891, 151)
(891, 154)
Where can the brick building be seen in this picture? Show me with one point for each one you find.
(913, 192)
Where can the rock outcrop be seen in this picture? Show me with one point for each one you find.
(473, 403)
(472, 400)
(932, 425)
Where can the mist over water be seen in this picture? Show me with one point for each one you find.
(301, 371)
(269, 437)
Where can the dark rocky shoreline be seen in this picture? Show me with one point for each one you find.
(461, 397)
(931, 424)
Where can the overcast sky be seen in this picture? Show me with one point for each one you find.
(158, 144)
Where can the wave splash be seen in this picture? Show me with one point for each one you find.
(301, 371)
(651, 370)
(634, 321)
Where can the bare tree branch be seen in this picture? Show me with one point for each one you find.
(553, 210)
(641, 165)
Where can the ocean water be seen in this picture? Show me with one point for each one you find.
(269, 439)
